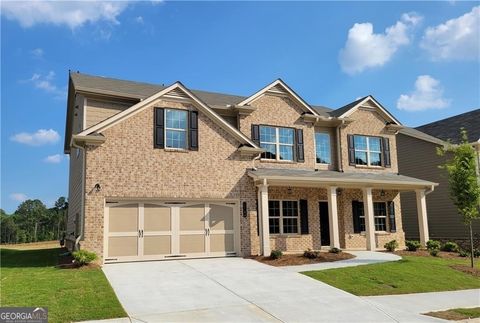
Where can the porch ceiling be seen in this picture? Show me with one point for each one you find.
(324, 178)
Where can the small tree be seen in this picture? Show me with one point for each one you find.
(463, 182)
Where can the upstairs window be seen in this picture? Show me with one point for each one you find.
(368, 150)
(176, 128)
(322, 148)
(278, 142)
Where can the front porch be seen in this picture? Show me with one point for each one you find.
(301, 209)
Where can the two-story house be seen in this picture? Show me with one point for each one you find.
(159, 172)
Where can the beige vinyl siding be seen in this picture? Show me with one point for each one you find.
(418, 158)
(98, 110)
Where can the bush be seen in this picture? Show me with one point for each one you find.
(335, 250)
(412, 245)
(476, 253)
(84, 257)
(463, 253)
(450, 247)
(276, 254)
(391, 245)
(433, 252)
(433, 244)
(310, 254)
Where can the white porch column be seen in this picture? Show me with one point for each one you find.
(263, 220)
(422, 217)
(369, 218)
(333, 217)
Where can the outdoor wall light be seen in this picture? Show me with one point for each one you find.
(97, 187)
(382, 193)
(289, 190)
(339, 191)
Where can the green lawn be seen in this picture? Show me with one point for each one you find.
(409, 275)
(29, 278)
(457, 314)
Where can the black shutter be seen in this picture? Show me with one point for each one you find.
(304, 216)
(158, 128)
(256, 134)
(391, 216)
(193, 130)
(299, 143)
(386, 152)
(351, 150)
(357, 212)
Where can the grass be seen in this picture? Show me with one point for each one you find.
(30, 278)
(457, 314)
(410, 275)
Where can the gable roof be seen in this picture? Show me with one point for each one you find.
(277, 86)
(449, 128)
(348, 109)
(412, 132)
(174, 88)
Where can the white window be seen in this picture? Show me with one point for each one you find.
(379, 214)
(278, 142)
(176, 128)
(322, 148)
(283, 217)
(368, 150)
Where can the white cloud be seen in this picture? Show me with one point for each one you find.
(37, 52)
(457, 38)
(38, 138)
(139, 20)
(45, 83)
(365, 49)
(53, 159)
(428, 94)
(19, 197)
(70, 13)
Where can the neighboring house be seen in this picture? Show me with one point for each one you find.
(418, 157)
(160, 172)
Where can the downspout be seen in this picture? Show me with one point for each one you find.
(82, 212)
(253, 161)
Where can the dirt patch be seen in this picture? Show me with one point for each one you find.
(299, 259)
(32, 245)
(425, 253)
(467, 269)
(448, 315)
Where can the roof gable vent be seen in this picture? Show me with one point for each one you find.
(177, 94)
(277, 89)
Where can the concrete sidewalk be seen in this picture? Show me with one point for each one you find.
(361, 258)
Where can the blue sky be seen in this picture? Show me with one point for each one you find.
(419, 59)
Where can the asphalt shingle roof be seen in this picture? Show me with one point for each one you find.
(449, 128)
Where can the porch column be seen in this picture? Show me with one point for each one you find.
(263, 220)
(369, 218)
(422, 217)
(333, 217)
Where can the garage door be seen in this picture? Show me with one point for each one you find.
(163, 230)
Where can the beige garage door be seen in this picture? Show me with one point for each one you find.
(149, 231)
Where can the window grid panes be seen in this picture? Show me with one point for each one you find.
(278, 142)
(368, 150)
(379, 215)
(283, 217)
(176, 128)
(322, 148)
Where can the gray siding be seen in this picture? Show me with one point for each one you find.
(418, 158)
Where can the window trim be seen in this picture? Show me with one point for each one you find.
(165, 128)
(281, 217)
(329, 146)
(368, 151)
(387, 224)
(277, 143)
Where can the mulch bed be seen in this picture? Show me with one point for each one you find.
(448, 315)
(299, 259)
(425, 253)
(475, 271)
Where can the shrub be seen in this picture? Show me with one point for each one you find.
(433, 244)
(391, 245)
(335, 250)
(84, 257)
(412, 245)
(476, 253)
(463, 253)
(450, 247)
(310, 254)
(433, 252)
(276, 254)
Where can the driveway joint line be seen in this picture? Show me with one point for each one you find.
(231, 291)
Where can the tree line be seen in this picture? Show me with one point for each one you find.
(33, 221)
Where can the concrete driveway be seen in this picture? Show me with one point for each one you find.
(236, 290)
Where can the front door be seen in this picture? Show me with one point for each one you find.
(324, 225)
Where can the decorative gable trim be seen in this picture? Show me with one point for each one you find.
(369, 103)
(278, 87)
(178, 91)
